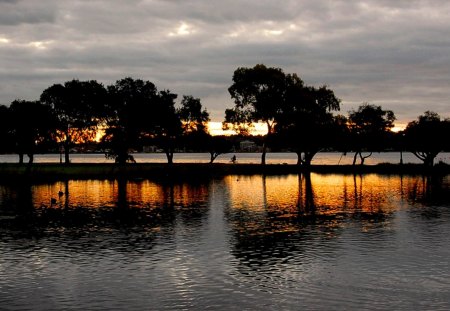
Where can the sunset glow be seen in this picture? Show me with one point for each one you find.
(215, 128)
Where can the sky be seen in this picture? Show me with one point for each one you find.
(395, 54)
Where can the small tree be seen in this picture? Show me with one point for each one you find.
(192, 115)
(194, 120)
(427, 136)
(369, 126)
(218, 145)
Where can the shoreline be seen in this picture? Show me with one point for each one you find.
(52, 171)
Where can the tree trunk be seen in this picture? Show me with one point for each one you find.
(364, 158)
(429, 161)
(309, 157)
(30, 158)
(169, 155)
(266, 138)
(213, 157)
(299, 158)
(20, 158)
(66, 152)
(354, 157)
(263, 155)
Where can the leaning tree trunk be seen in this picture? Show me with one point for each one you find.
(355, 156)
(364, 158)
(213, 155)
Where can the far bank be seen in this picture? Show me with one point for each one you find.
(56, 171)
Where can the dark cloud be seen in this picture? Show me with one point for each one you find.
(15, 12)
(391, 53)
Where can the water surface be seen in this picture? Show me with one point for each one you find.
(318, 242)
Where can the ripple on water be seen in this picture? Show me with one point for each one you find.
(214, 253)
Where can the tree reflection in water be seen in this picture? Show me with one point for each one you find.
(260, 210)
(98, 206)
(275, 225)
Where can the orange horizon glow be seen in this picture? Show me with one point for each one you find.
(215, 129)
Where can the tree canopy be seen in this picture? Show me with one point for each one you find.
(289, 108)
(133, 115)
(79, 107)
(307, 110)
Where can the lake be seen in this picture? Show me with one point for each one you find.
(331, 158)
(315, 242)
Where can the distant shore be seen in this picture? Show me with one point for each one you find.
(51, 171)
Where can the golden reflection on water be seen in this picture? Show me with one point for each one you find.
(277, 204)
(327, 193)
(108, 193)
(283, 196)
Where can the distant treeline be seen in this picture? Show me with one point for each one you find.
(132, 114)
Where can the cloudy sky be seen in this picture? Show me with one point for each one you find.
(390, 53)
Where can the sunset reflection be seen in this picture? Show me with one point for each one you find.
(315, 193)
(106, 193)
(253, 204)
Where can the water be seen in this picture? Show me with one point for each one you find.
(324, 242)
(332, 158)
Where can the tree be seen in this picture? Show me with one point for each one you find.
(79, 107)
(131, 116)
(192, 115)
(306, 124)
(369, 127)
(218, 145)
(426, 137)
(32, 123)
(258, 94)
(168, 127)
(194, 120)
(140, 113)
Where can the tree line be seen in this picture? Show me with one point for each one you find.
(132, 113)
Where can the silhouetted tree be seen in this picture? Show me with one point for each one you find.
(168, 128)
(193, 117)
(258, 93)
(427, 136)
(32, 123)
(194, 121)
(79, 107)
(369, 126)
(218, 145)
(306, 124)
(131, 115)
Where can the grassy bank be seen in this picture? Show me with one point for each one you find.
(52, 171)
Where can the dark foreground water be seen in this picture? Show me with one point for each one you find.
(324, 242)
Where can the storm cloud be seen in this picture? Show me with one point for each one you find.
(390, 53)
